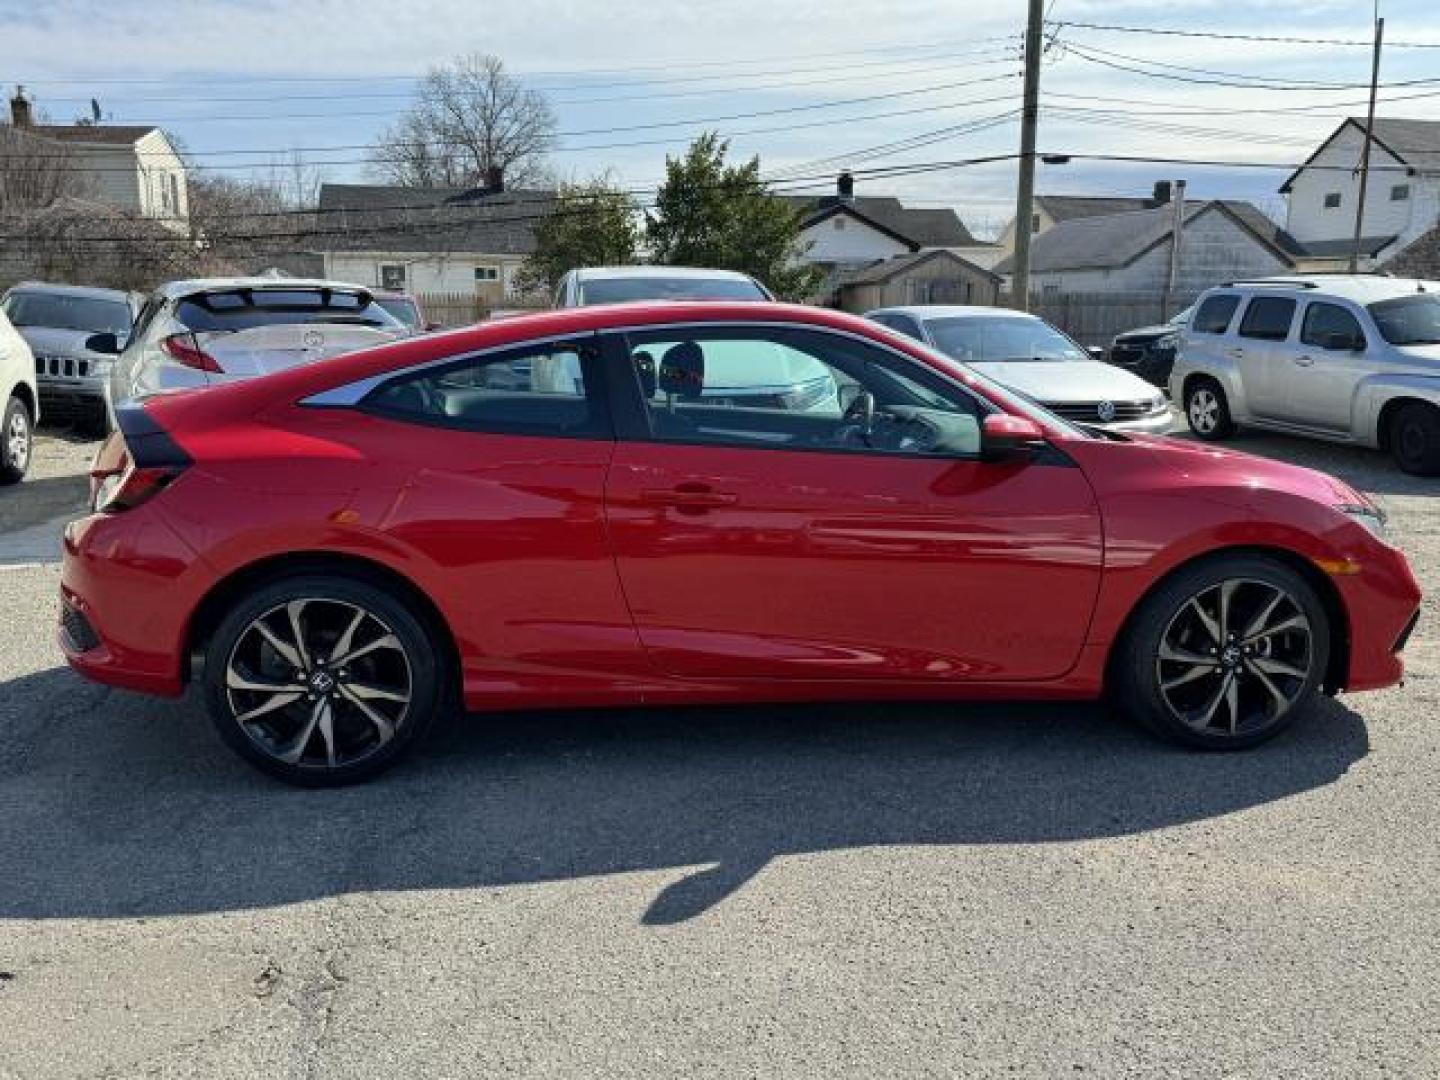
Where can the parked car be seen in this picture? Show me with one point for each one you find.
(216, 330)
(335, 552)
(19, 403)
(58, 322)
(621, 284)
(1150, 351)
(1348, 358)
(405, 310)
(1031, 357)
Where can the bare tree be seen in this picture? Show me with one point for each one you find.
(36, 172)
(467, 119)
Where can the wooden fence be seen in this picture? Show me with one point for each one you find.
(1095, 318)
(462, 309)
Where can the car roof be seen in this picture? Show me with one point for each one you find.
(1360, 288)
(90, 291)
(951, 311)
(588, 273)
(173, 290)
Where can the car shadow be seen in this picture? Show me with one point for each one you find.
(113, 805)
(36, 500)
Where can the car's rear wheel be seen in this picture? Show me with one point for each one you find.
(1207, 410)
(1415, 439)
(16, 441)
(321, 680)
(1226, 654)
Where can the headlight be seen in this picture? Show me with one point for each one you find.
(1370, 516)
(1159, 403)
(1169, 341)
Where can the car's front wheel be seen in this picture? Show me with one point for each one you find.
(1226, 654)
(1207, 410)
(16, 441)
(321, 680)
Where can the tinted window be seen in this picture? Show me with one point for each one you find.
(978, 338)
(539, 391)
(622, 289)
(1268, 318)
(1214, 315)
(1409, 320)
(774, 389)
(1324, 321)
(63, 311)
(241, 309)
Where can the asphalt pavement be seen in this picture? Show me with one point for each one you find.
(870, 890)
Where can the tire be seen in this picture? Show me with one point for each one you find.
(287, 735)
(1172, 675)
(1207, 410)
(17, 441)
(1415, 439)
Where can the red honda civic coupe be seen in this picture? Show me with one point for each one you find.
(699, 502)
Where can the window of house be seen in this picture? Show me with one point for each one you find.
(486, 274)
(1214, 315)
(392, 276)
(1399, 192)
(1268, 318)
(1325, 324)
(536, 390)
(1034, 223)
(174, 193)
(1332, 200)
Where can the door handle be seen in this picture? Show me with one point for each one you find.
(1236, 353)
(1304, 361)
(691, 497)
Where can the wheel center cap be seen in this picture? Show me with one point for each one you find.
(1231, 656)
(322, 682)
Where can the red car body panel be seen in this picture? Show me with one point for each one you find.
(568, 571)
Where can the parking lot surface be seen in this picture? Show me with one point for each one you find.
(866, 890)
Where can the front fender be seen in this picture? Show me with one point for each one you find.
(1376, 391)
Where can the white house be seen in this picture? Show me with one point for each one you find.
(1402, 199)
(470, 242)
(132, 168)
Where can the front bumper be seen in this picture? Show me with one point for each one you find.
(1161, 423)
(63, 395)
(1382, 604)
(1151, 364)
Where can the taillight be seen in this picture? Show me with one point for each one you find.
(132, 486)
(184, 349)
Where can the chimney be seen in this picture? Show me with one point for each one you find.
(20, 110)
(1161, 195)
(845, 187)
(494, 180)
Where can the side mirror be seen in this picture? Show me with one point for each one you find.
(1005, 436)
(103, 343)
(1345, 343)
(1096, 352)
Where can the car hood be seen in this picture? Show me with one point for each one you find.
(50, 341)
(265, 349)
(1200, 464)
(1143, 333)
(1064, 381)
(1428, 353)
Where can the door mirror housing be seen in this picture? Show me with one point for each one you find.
(1345, 343)
(1005, 436)
(106, 343)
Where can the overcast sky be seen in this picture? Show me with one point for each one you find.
(212, 70)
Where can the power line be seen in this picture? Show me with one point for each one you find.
(1174, 109)
(1167, 32)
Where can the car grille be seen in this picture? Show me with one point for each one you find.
(62, 367)
(1088, 412)
(1127, 354)
(77, 628)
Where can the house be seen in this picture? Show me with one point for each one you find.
(1402, 198)
(1048, 211)
(1129, 251)
(1420, 258)
(458, 241)
(937, 276)
(131, 168)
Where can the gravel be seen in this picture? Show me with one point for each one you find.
(811, 891)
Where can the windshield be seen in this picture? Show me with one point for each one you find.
(403, 310)
(621, 289)
(1182, 318)
(975, 339)
(61, 311)
(243, 309)
(1409, 320)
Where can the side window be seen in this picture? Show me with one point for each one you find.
(545, 390)
(148, 311)
(1329, 326)
(1214, 315)
(797, 389)
(1268, 318)
(909, 327)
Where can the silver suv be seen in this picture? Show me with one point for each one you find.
(1348, 358)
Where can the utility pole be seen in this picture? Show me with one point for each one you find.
(1365, 153)
(1177, 232)
(1025, 194)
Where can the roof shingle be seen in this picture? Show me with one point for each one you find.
(381, 217)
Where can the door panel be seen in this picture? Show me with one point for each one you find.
(827, 566)
(1262, 354)
(1324, 379)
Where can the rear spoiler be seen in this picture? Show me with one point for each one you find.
(362, 294)
(148, 444)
